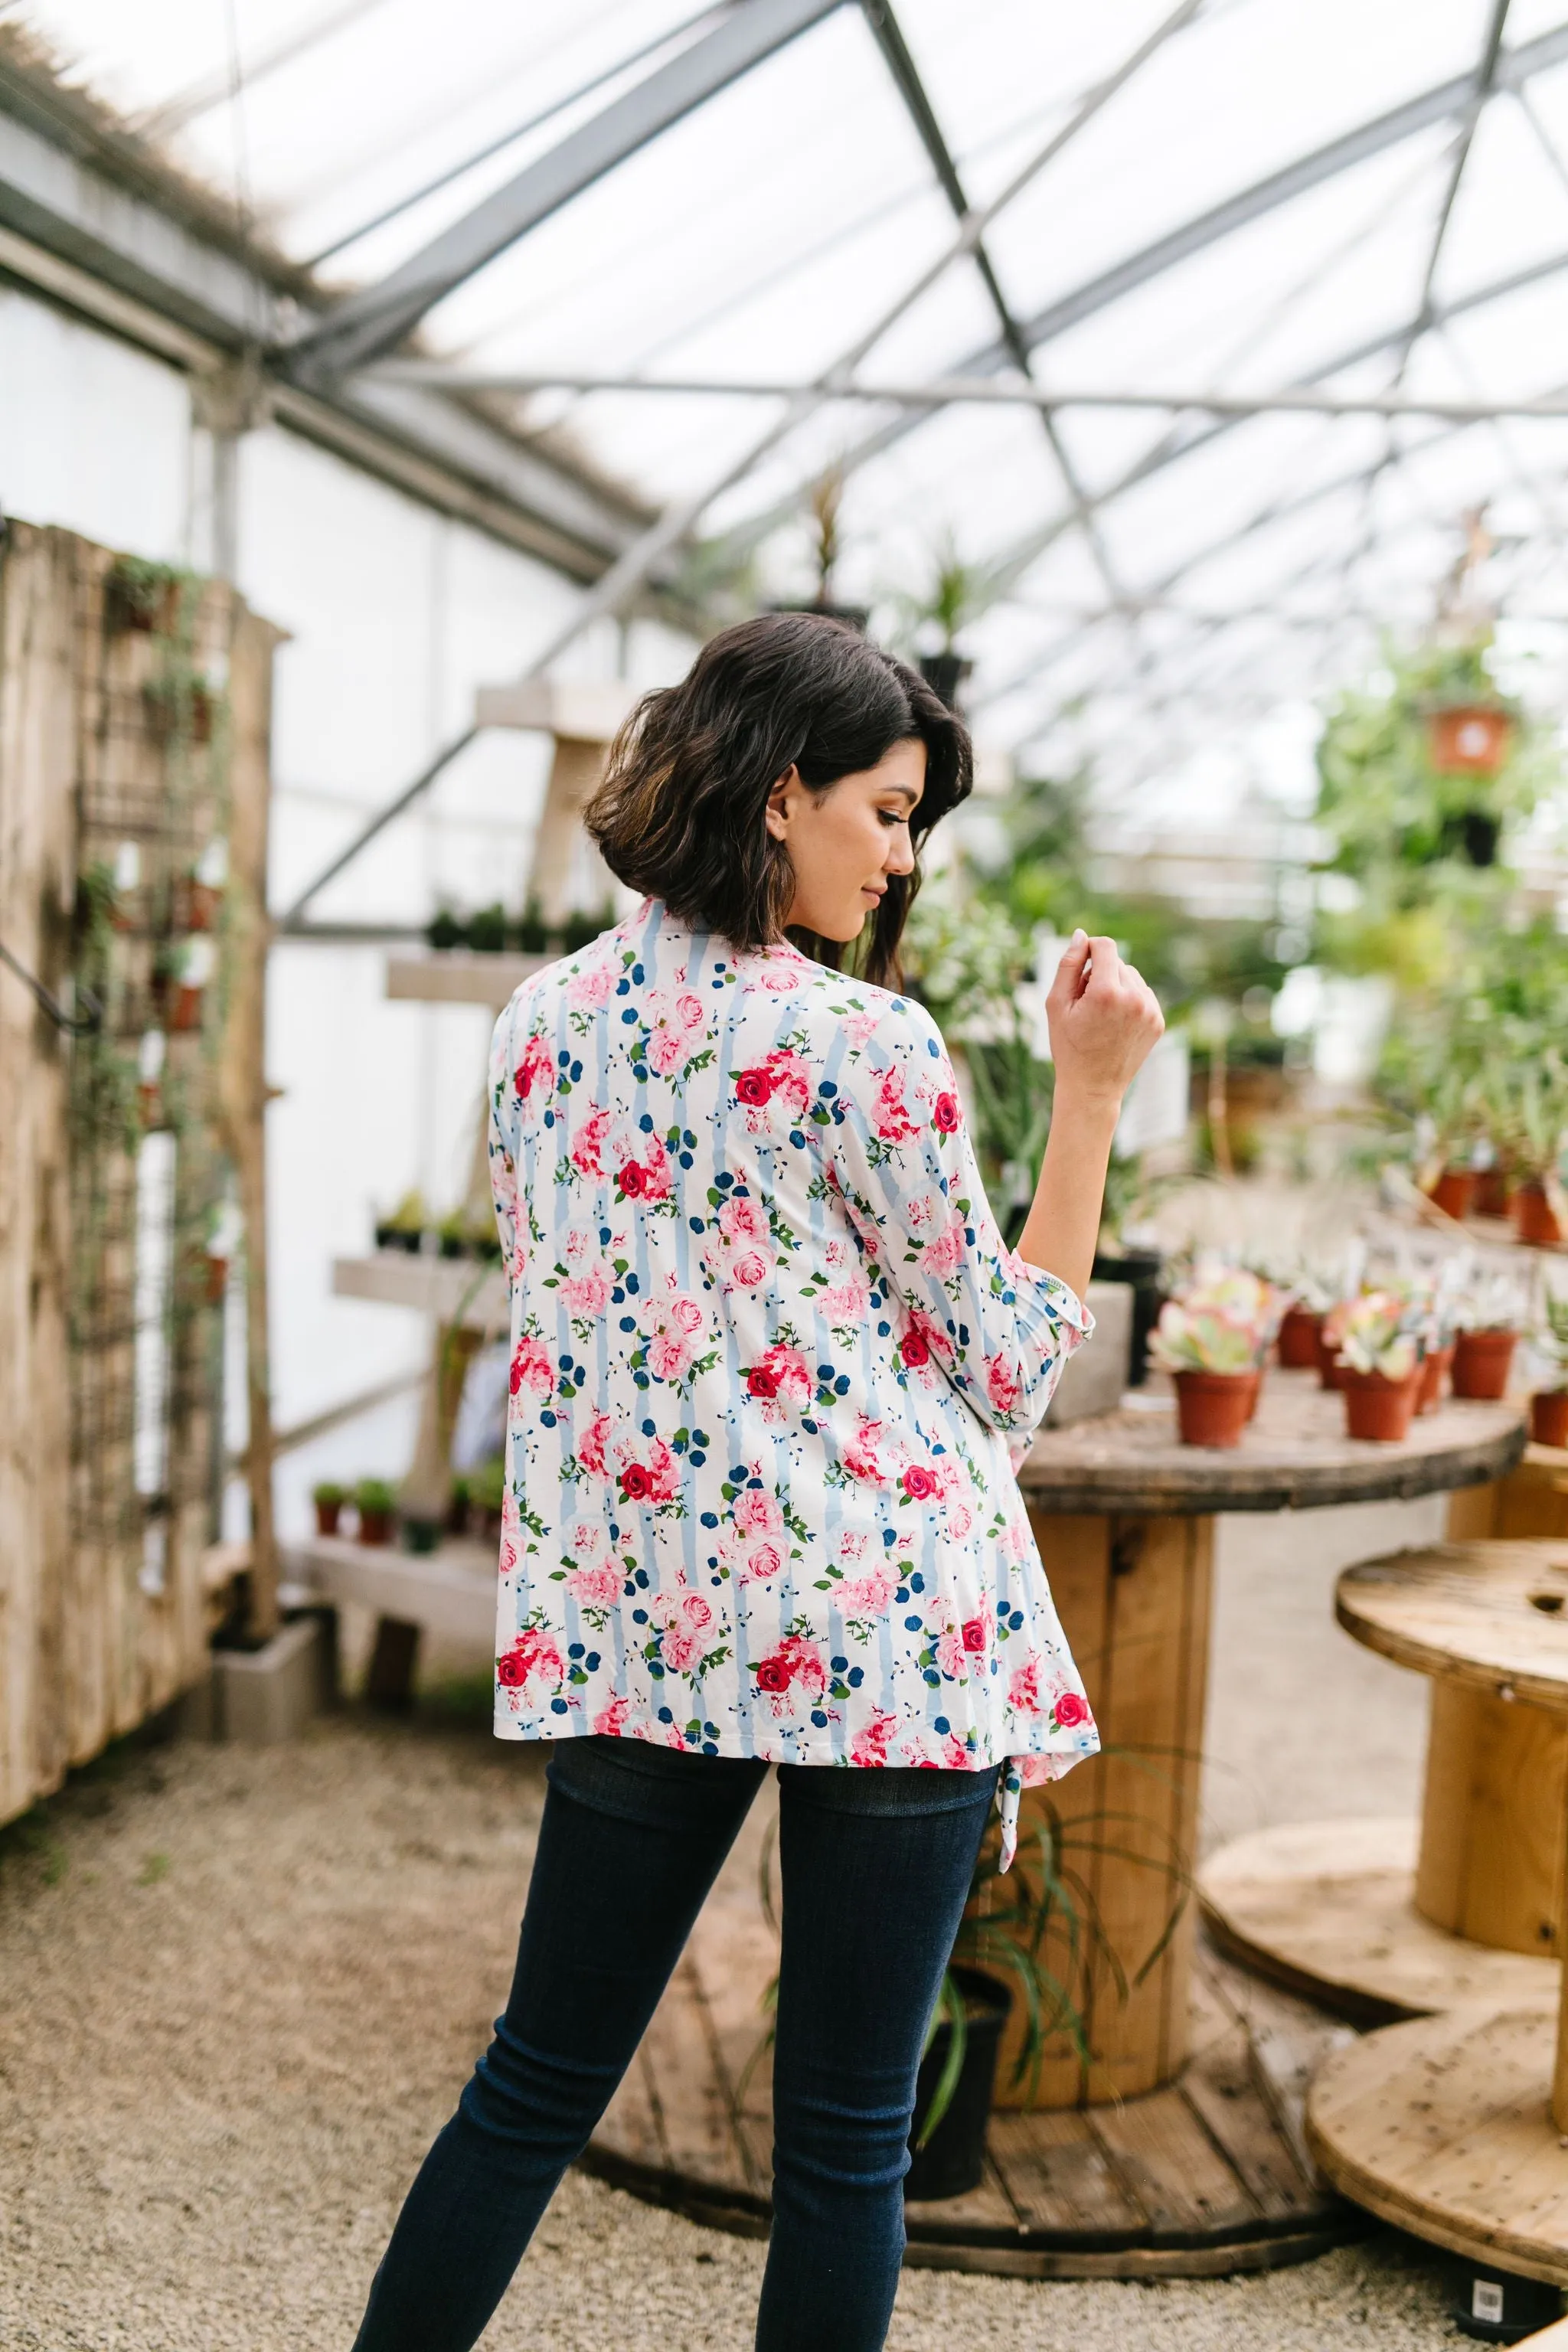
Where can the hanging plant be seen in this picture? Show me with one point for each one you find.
(140, 595)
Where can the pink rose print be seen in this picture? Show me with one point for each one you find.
(592, 1444)
(955, 1756)
(590, 1142)
(867, 1596)
(915, 1347)
(749, 1269)
(598, 1587)
(672, 1324)
(781, 1376)
(944, 1114)
(1002, 1385)
(653, 1481)
(760, 1562)
(593, 987)
(870, 1747)
(677, 1022)
(610, 1723)
(791, 1079)
(755, 1087)
(1023, 1687)
(533, 1657)
(1070, 1710)
(531, 1369)
(587, 1294)
(950, 1653)
(848, 1302)
(741, 1219)
(511, 1528)
(796, 1661)
(536, 1076)
(756, 1512)
(977, 1634)
(890, 1114)
(920, 1482)
(944, 1256)
(861, 1453)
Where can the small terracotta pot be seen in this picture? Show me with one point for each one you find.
(1434, 1368)
(1214, 1408)
(1481, 1362)
(327, 1518)
(1491, 1194)
(1257, 1379)
(1454, 1191)
(375, 1526)
(1330, 1371)
(1549, 1417)
(187, 1008)
(1534, 1219)
(216, 1280)
(1379, 1408)
(1298, 1336)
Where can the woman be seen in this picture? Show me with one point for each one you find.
(770, 1358)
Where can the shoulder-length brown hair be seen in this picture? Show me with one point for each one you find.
(682, 810)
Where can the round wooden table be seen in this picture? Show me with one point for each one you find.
(1456, 2126)
(1124, 1515)
(1385, 1919)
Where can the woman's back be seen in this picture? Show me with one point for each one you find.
(766, 1351)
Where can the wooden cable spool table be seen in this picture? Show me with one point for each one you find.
(1178, 2152)
(1380, 1919)
(1455, 2126)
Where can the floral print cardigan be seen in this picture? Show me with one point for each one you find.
(769, 1357)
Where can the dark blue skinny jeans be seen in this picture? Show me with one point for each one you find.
(874, 1867)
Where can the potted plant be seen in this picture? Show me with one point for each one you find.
(487, 1491)
(404, 1228)
(452, 1234)
(1380, 1355)
(1537, 1208)
(1213, 1343)
(139, 595)
(329, 1498)
(1486, 1333)
(444, 931)
(487, 930)
(1549, 1405)
(957, 594)
(377, 1504)
(1308, 1298)
(1437, 1307)
(459, 1501)
(180, 706)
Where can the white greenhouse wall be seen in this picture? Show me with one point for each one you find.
(395, 614)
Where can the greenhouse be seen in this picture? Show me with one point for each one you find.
(722, 727)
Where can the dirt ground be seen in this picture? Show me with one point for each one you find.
(239, 1991)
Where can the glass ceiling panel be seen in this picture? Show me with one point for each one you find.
(766, 232)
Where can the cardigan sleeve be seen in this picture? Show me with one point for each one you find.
(1000, 1329)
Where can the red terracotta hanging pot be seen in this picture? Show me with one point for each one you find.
(1470, 739)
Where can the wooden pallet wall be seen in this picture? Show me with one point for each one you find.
(102, 1607)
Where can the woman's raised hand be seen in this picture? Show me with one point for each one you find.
(1104, 1019)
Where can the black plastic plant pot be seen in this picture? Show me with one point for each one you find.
(1144, 1269)
(952, 2161)
(1499, 2307)
(422, 1536)
(944, 674)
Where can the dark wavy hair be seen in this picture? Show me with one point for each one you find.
(682, 810)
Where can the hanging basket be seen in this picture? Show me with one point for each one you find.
(1469, 739)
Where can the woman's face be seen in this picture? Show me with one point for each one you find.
(844, 842)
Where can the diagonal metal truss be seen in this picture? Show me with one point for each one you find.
(378, 316)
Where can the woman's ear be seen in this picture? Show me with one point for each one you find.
(781, 803)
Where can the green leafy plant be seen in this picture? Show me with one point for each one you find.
(328, 1491)
(375, 1496)
(1222, 1324)
(487, 1485)
(1377, 1334)
(1550, 1338)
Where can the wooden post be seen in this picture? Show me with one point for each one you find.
(244, 1068)
(38, 888)
(1133, 1597)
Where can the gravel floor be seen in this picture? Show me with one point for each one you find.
(240, 1990)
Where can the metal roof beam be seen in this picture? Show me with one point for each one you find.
(377, 317)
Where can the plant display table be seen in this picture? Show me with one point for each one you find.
(1381, 1919)
(1124, 1515)
(1456, 2126)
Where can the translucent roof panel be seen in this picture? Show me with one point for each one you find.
(1251, 300)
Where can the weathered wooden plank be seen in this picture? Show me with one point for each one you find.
(1491, 1615)
(1491, 1861)
(1221, 2089)
(37, 888)
(1161, 2151)
(1058, 2179)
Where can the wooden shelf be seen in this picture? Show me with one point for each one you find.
(460, 976)
(450, 1592)
(453, 1289)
